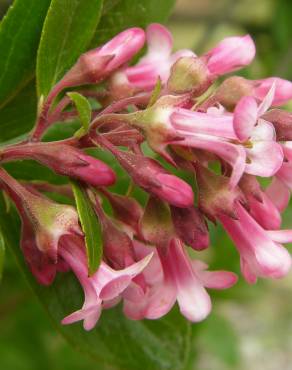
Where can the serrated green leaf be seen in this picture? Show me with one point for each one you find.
(84, 111)
(122, 14)
(68, 29)
(20, 32)
(90, 227)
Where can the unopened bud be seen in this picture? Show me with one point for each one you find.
(125, 209)
(156, 224)
(191, 227)
(232, 90)
(65, 160)
(117, 245)
(215, 195)
(152, 177)
(189, 74)
(282, 121)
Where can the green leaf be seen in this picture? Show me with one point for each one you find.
(20, 32)
(116, 343)
(122, 14)
(18, 116)
(68, 29)
(155, 93)
(84, 110)
(90, 227)
(2, 254)
(218, 336)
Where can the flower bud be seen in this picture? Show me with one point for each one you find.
(215, 195)
(230, 54)
(117, 245)
(44, 223)
(125, 209)
(153, 178)
(282, 121)
(156, 223)
(95, 65)
(191, 227)
(65, 160)
(189, 74)
(232, 90)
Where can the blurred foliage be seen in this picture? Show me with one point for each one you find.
(242, 332)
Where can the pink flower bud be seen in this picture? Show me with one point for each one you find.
(125, 209)
(152, 177)
(282, 121)
(65, 160)
(215, 195)
(95, 65)
(44, 224)
(117, 245)
(191, 227)
(231, 54)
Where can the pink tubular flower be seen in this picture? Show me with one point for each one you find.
(156, 63)
(211, 133)
(264, 153)
(95, 65)
(283, 90)
(261, 206)
(102, 289)
(173, 276)
(231, 54)
(260, 254)
(65, 160)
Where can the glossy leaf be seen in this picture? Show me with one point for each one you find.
(18, 116)
(20, 32)
(84, 111)
(116, 343)
(68, 29)
(121, 14)
(90, 227)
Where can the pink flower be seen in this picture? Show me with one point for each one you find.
(261, 255)
(283, 89)
(156, 63)
(101, 290)
(264, 153)
(95, 65)
(231, 54)
(173, 276)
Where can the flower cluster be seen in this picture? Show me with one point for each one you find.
(173, 103)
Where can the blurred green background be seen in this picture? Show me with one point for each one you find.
(251, 326)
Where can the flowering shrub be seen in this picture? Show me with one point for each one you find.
(145, 261)
(179, 106)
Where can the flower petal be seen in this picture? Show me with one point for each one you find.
(245, 117)
(280, 236)
(218, 279)
(231, 54)
(267, 101)
(233, 154)
(283, 90)
(279, 194)
(266, 158)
